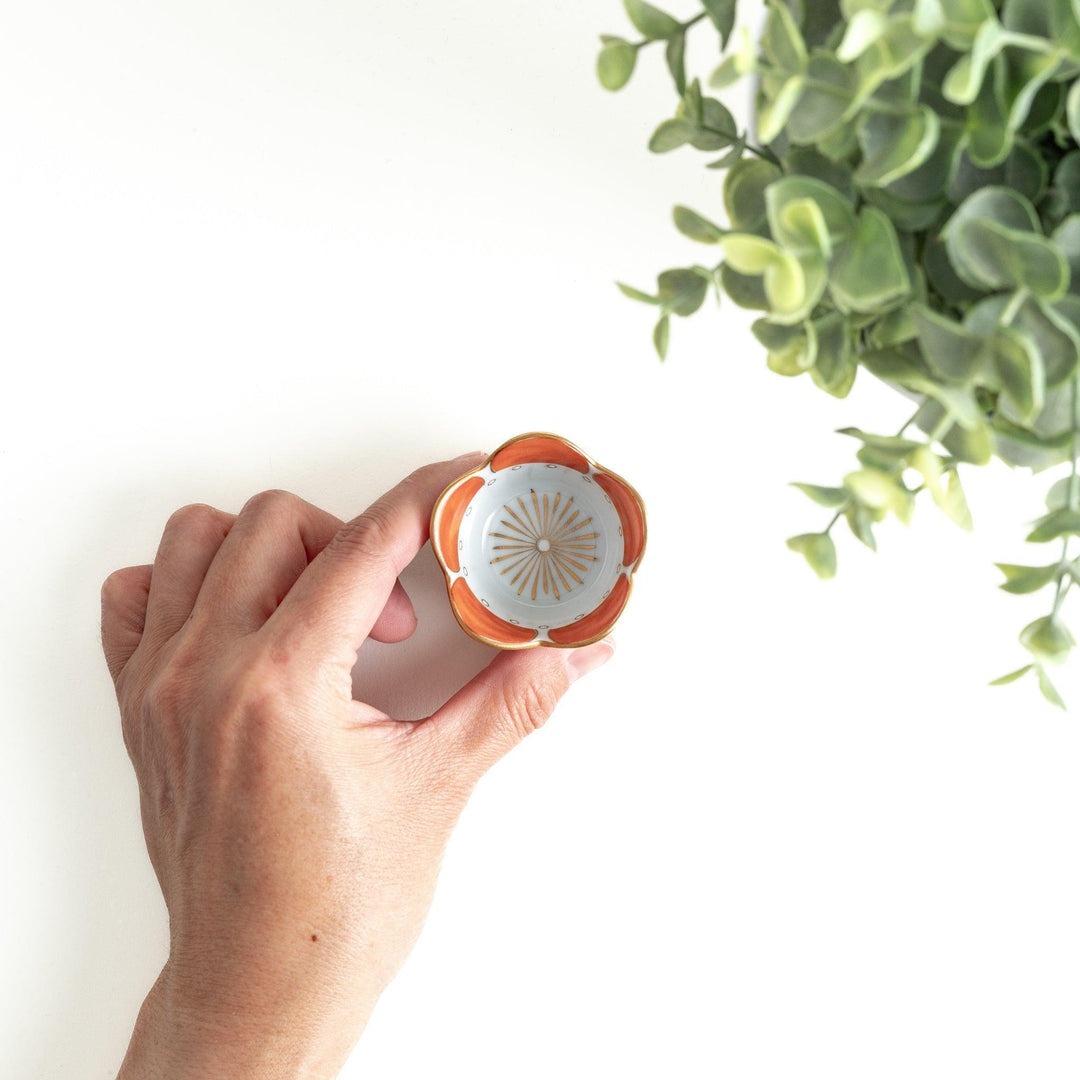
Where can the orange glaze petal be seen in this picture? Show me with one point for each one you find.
(597, 621)
(630, 515)
(543, 448)
(449, 522)
(484, 622)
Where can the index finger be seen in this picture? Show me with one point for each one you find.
(334, 603)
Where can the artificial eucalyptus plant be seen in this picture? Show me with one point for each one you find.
(910, 204)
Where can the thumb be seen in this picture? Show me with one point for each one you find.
(511, 698)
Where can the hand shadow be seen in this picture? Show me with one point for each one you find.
(411, 679)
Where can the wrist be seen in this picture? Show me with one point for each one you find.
(189, 1031)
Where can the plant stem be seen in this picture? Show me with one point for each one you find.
(836, 518)
(1017, 301)
(765, 155)
(1064, 582)
(682, 26)
(908, 422)
(944, 426)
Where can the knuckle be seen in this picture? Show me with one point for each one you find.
(527, 710)
(198, 520)
(193, 515)
(369, 535)
(117, 584)
(270, 503)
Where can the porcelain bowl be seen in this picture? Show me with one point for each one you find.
(539, 545)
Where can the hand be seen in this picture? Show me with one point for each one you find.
(296, 833)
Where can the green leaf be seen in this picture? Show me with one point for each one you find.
(1047, 638)
(722, 14)
(975, 446)
(782, 40)
(746, 291)
(718, 128)
(990, 139)
(963, 83)
(993, 243)
(894, 328)
(675, 55)
(651, 21)
(963, 18)
(1020, 370)
(998, 257)
(783, 277)
(1026, 579)
(671, 134)
(808, 163)
(774, 113)
(1057, 523)
(819, 551)
(682, 291)
(726, 74)
(879, 490)
(828, 96)
(1050, 332)
(801, 228)
(896, 52)
(615, 64)
(894, 446)
(894, 146)
(637, 294)
(954, 504)
(744, 193)
(1003, 680)
(661, 334)
(835, 366)
(1067, 238)
(868, 272)
(861, 524)
(1073, 110)
(692, 224)
(948, 495)
(1058, 495)
(950, 349)
(750, 254)
(792, 349)
(1048, 690)
(734, 154)
(829, 497)
(997, 204)
(833, 224)
(1024, 171)
(865, 28)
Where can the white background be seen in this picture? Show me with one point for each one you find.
(788, 831)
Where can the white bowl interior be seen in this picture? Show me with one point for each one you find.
(540, 545)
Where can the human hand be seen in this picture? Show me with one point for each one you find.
(296, 833)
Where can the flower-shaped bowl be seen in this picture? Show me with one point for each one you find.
(539, 545)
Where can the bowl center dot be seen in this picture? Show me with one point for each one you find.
(544, 544)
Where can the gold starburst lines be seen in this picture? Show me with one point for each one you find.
(547, 547)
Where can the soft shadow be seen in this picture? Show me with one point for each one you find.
(411, 679)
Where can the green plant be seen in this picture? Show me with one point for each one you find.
(912, 207)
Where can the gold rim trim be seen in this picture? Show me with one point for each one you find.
(448, 581)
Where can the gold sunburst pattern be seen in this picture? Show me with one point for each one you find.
(546, 546)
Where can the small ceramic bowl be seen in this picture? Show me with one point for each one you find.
(539, 545)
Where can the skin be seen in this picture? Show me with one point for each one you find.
(296, 833)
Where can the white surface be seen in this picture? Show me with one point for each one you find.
(786, 832)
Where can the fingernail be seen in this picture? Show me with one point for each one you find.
(582, 661)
